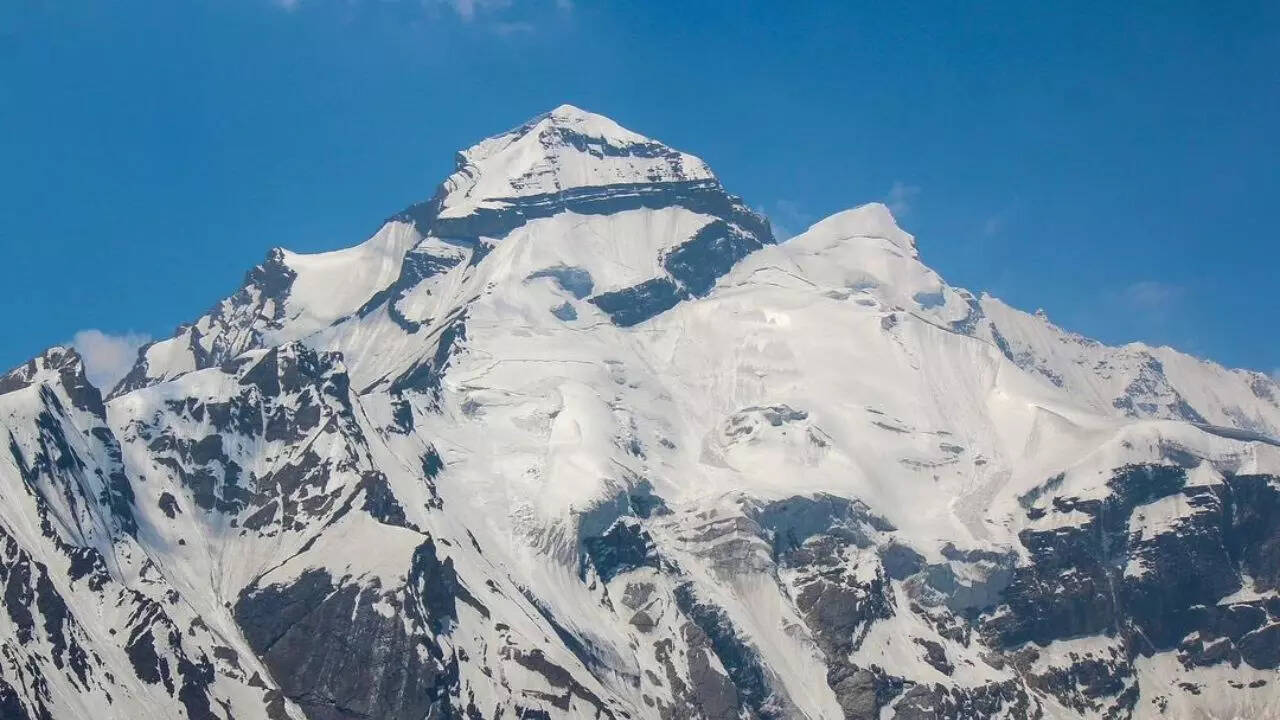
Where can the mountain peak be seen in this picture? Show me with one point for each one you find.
(873, 220)
(557, 126)
(53, 361)
(60, 365)
(588, 124)
(565, 149)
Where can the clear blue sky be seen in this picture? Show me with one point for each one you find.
(1115, 164)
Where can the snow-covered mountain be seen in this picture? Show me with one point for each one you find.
(577, 438)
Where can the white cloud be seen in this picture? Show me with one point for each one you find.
(1275, 374)
(107, 358)
(900, 198)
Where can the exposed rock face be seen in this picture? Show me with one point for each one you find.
(1149, 563)
(236, 324)
(338, 657)
(576, 438)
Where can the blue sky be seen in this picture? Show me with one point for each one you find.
(1116, 164)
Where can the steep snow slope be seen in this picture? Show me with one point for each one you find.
(1138, 380)
(576, 438)
(287, 297)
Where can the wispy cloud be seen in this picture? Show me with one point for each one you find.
(787, 218)
(1151, 303)
(901, 198)
(107, 357)
(1152, 295)
(466, 10)
(506, 29)
(993, 225)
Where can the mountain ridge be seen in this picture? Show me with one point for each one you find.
(577, 437)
